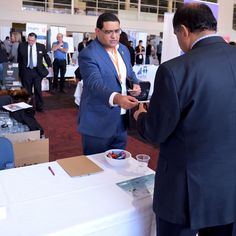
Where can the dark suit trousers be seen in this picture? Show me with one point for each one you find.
(165, 228)
(59, 65)
(32, 79)
(92, 145)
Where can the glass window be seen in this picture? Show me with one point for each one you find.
(96, 7)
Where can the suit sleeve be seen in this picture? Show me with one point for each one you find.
(130, 72)
(92, 76)
(163, 113)
(46, 57)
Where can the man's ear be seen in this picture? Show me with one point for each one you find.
(185, 31)
(96, 31)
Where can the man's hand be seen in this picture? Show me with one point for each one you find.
(126, 102)
(50, 70)
(136, 90)
(140, 110)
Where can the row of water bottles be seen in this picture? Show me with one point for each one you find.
(10, 125)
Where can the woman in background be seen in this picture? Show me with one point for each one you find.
(124, 40)
(3, 58)
(16, 40)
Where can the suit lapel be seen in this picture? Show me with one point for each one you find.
(37, 51)
(125, 58)
(26, 48)
(106, 58)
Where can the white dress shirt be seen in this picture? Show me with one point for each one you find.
(121, 71)
(34, 55)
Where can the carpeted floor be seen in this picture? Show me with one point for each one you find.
(60, 125)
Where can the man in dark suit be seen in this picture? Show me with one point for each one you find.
(104, 67)
(139, 53)
(192, 115)
(82, 44)
(31, 68)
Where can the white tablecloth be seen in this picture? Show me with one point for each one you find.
(39, 203)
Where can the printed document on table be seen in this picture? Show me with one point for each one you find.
(16, 106)
(139, 187)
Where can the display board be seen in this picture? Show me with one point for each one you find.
(39, 29)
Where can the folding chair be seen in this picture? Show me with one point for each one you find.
(6, 154)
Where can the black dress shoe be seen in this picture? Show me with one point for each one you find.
(62, 91)
(40, 110)
(53, 91)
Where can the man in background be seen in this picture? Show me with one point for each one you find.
(132, 52)
(192, 115)
(105, 68)
(82, 44)
(60, 49)
(139, 53)
(148, 52)
(31, 68)
(159, 51)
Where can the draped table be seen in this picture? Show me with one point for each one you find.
(33, 201)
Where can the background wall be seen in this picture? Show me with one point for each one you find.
(10, 11)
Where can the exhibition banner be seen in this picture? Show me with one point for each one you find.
(39, 29)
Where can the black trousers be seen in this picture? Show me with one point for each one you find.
(159, 58)
(165, 228)
(59, 65)
(92, 145)
(31, 79)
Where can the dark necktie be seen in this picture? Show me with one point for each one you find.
(31, 65)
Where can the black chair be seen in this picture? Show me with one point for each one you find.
(5, 100)
(145, 88)
(6, 154)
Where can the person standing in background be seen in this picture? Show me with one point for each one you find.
(7, 43)
(159, 51)
(132, 52)
(124, 40)
(139, 52)
(105, 68)
(83, 44)
(148, 52)
(192, 115)
(16, 39)
(60, 49)
(31, 68)
(3, 59)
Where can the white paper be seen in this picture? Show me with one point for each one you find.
(139, 187)
(16, 83)
(16, 106)
(146, 101)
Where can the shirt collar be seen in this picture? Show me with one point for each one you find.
(204, 37)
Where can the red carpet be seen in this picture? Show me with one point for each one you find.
(64, 140)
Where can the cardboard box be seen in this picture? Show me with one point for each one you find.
(29, 149)
(24, 136)
(31, 152)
